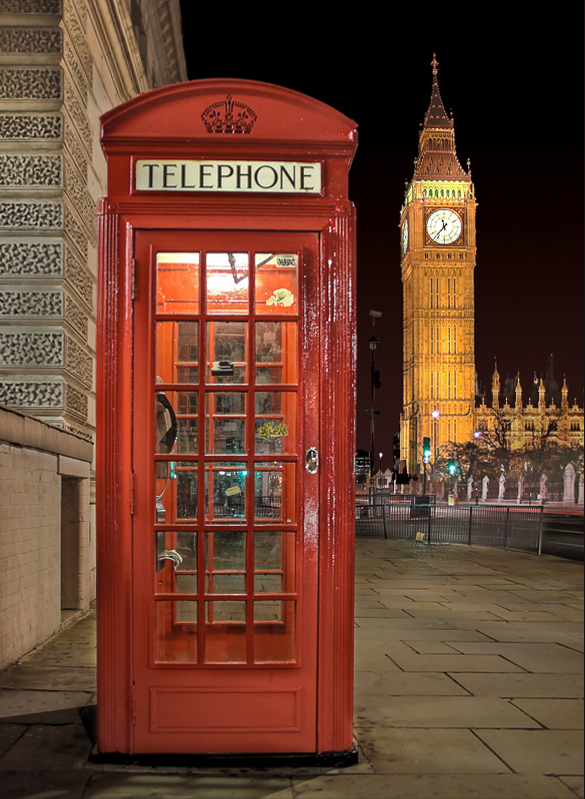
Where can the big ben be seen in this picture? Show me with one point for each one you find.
(437, 245)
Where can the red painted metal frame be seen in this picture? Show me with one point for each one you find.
(290, 126)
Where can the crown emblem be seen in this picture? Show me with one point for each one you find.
(228, 116)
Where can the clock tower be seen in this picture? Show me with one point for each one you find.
(437, 246)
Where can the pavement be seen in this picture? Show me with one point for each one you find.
(469, 685)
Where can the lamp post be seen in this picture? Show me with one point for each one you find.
(435, 414)
(372, 344)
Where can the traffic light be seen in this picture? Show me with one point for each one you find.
(426, 450)
(452, 467)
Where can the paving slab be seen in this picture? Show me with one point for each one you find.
(454, 663)
(560, 714)
(549, 658)
(537, 751)
(522, 684)
(576, 784)
(9, 734)
(437, 786)
(428, 751)
(44, 784)
(49, 747)
(398, 683)
(187, 786)
(53, 678)
(441, 711)
(41, 707)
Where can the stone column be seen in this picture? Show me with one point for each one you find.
(485, 484)
(581, 488)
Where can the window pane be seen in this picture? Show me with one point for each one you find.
(275, 423)
(225, 551)
(274, 631)
(177, 282)
(176, 422)
(226, 352)
(176, 552)
(177, 352)
(275, 492)
(226, 422)
(276, 283)
(274, 561)
(225, 632)
(227, 282)
(225, 492)
(276, 352)
(176, 492)
(175, 632)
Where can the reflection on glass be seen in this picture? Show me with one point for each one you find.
(276, 352)
(274, 492)
(276, 283)
(226, 352)
(177, 282)
(275, 423)
(226, 422)
(225, 491)
(175, 632)
(177, 352)
(227, 282)
(186, 583)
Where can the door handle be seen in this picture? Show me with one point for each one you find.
(311, 460)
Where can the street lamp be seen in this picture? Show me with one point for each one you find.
(372, 344)
(435, 414)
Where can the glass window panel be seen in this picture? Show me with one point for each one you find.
(226, 584)
(227, 282)
(276, 353)
(274, 631)
(176, 492)
(225, 492)
(268, 583)
(224, 610)
(225, 550)
(177, 282)
(176, 551)
(226, 422)
(186, 583)
(225, 632)
(175, 632)
(275, 492)
(274, 561)
(177, 352)
(176, 422)
(226, 352)
(276, 283)
(275, 423)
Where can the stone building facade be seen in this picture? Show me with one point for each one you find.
(63, 63)
(545, 414)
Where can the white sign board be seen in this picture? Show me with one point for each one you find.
(281, 177)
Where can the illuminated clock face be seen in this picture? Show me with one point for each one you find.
(444, 226)
(405, 237)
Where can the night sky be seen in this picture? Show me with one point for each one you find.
(516, 92)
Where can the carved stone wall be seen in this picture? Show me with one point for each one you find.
(63, 63)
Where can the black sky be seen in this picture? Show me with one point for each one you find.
(515, 87)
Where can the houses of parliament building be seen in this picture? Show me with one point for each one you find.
(438, 253)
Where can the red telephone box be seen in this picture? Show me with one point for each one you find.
(226, 423)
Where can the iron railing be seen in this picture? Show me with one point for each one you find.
(508, 527)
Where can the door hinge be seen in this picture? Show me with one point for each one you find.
(133, 704)
(131, 493)
(133, 279)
